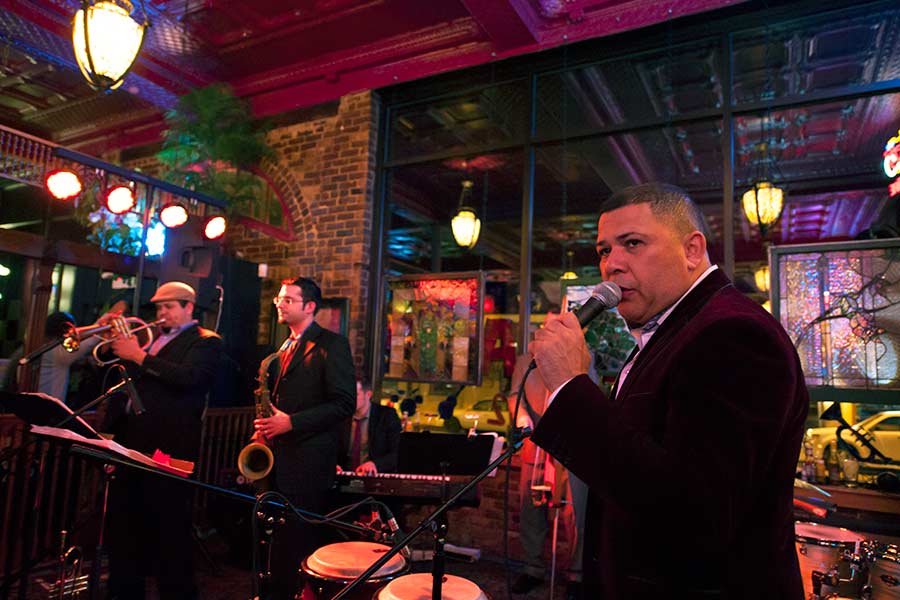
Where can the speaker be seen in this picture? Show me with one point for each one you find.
(194, 260)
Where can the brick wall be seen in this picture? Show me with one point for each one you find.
(325, 170)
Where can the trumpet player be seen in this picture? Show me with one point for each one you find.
(55, 365)
(149, 526)
(313, 396)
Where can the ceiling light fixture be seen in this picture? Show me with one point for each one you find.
(107, 39)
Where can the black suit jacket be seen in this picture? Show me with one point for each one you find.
(318, 391)
(691, 465)
(172, 386)
(384, 439)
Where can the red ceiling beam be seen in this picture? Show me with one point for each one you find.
(501, 22)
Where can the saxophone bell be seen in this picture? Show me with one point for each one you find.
(256, 459)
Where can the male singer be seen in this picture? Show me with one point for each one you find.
(149, 528)
(690, 462)
(312, 395)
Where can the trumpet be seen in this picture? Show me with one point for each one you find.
(122, 326)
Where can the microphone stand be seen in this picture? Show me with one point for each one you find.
(438, 526)
(269, 522)
(40, 351)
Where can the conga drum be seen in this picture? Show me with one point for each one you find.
(418, 587)
(330, 568)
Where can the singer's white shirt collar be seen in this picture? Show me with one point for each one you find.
(642, 338)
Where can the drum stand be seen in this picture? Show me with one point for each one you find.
(437, 522)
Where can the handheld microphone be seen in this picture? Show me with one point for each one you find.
(136, 405)
(606, 295)
(396, 534)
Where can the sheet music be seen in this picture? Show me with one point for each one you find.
(109, 446)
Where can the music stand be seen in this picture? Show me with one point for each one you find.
(431, 453)
(40, 409)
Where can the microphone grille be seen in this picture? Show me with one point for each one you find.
(608, 292)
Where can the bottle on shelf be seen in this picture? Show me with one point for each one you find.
(833, 463)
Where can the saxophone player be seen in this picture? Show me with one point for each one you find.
(313, 395)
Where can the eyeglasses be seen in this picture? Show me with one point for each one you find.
(286, 300)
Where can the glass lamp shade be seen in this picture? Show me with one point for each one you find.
(568, 275)
(761, 278)
(106, 41)
(762, 203)
(466, 227)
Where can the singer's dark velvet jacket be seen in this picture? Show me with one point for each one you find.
(172, 387)
(691, 464)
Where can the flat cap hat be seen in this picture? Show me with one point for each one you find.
(174, 290)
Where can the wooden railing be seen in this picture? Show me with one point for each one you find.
(44, 488)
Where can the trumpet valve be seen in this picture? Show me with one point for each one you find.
(71, 344)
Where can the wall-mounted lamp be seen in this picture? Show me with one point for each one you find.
(107, 40)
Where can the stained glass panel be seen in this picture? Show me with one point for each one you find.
(840, 304)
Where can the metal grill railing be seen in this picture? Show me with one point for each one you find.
(24, 158)
(44, 489)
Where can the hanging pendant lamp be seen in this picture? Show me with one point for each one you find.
(466, 225)
(107, 39)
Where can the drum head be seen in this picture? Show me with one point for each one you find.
(347, 560)
(418, 587)
(824, 535)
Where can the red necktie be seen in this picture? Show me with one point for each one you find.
(356, 446)
(288, 355)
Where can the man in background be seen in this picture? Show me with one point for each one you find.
(371, 443)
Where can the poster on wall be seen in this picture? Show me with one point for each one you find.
(434, 329)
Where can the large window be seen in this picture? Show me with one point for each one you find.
(800, 96)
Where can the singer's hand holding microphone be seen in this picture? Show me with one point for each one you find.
(559, 348)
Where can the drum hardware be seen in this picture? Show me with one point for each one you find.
(884, 573)
(837, 554)
(256, 460)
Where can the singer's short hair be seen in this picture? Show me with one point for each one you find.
(309, 290)
(669, 204)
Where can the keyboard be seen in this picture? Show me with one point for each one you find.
(407, 487)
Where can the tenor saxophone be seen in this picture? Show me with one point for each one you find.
(256, 459)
